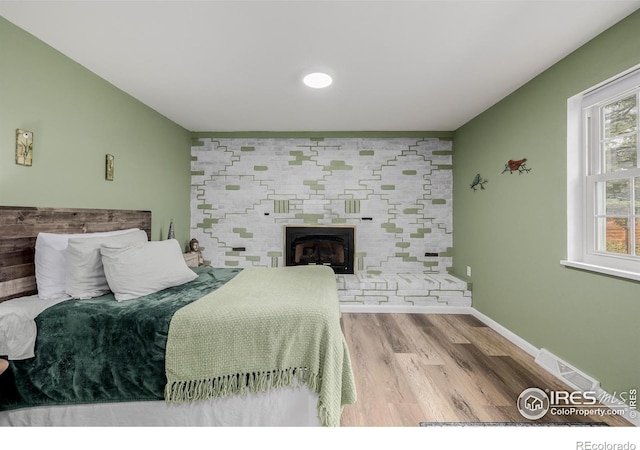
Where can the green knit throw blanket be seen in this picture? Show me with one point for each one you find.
(266, 328)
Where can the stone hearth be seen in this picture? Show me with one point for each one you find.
(434, 289)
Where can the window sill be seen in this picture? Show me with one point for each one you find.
(600, 269)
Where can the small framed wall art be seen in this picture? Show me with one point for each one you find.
(109, 167)
(24, 147)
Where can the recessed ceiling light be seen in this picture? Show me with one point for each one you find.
(317, 80)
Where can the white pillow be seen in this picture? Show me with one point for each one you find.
(85, 274)
(18, 334)
(144, 268)
(51, 262)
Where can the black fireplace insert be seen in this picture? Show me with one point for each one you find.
(321, 245)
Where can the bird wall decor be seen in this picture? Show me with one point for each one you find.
(520, 165)
(478, 181)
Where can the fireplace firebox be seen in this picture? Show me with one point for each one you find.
(320, 245)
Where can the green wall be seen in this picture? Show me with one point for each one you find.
(513, 234)
(77, 118)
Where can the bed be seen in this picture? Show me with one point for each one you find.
(160, 343)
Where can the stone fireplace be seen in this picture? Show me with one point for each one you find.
(320, 245)
(397, 191)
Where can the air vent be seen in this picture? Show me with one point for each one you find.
(566, 372)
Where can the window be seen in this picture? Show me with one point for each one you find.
(603, 178)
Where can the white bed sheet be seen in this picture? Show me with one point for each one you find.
(31, 305)
(290, 407)
(18, 329)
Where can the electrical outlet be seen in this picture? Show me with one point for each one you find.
(469, 271)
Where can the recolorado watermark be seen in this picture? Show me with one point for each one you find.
(535, 403)
(589, 445)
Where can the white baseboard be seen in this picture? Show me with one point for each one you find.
(405, 309)
(506, 333)
(631, 416)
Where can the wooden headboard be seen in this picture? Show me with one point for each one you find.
(19, 227)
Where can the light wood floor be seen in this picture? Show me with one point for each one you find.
(412, 368)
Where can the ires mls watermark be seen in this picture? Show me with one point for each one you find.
(534, 403)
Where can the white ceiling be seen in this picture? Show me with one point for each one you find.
(397, 65)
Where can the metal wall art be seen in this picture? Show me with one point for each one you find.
(109, 167)
(478, 181)
(520, 165)
(24, 147)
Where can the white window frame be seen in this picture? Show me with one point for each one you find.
(582, 173)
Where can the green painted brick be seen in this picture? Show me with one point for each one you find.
(352, 206)
(246, 235)
(306, 217)
(260, 168)
(401, 255)
(281, 206)
(231, 263)
(430, 263)
(295, 163)
(424, 230)
(231, 253)
(366, 152)
(374, 272)
(444, 167)
(274, 254)
(391, 228)
(388, 187)
(239, 230)
(253, 258)
(247, 149)
(207, 223)
(409, 172)
(296, 153)
(410, 211)
(447, 252)
(442, 152)
(316, 139)
(194, 158)
(337, 165)
(439, 201)
(338, 221)
(409, 258)
(403, 244)
(232, 187)
(197, 172)
(205, 206)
